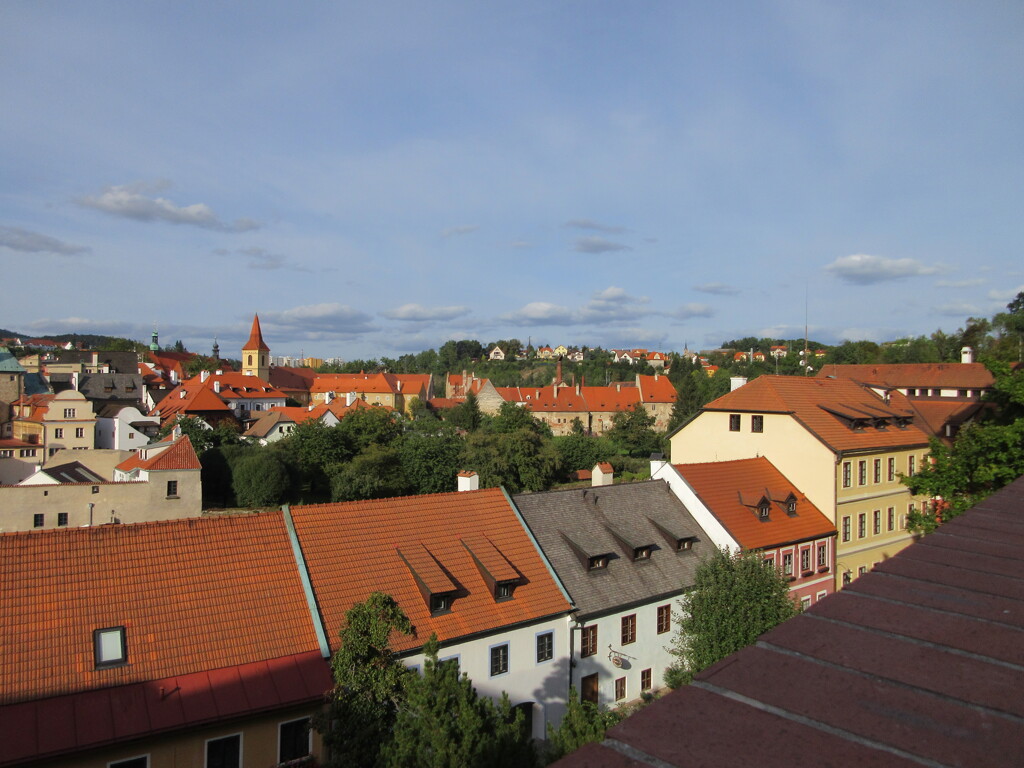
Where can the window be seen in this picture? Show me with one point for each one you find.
(664, 619)
(95, 489)
(629, 629)
(62, 519)
(545, 646)
(878, 470)
(791, 506)
(27, 453)
(6, 453)
(58, 433)
(293, 740)
(862, 570)
(645, 680)
(846, 474)
(598, 562)
(846, 528)
(757, 423)
(769, 562)
(80, 432)
(822, 555)
(892, 519)
(847, 577)
(877, 521)
(763, 511)
(734, 422)
(620, 688)
(503, 590)
(862, 525)
(225, 752)
(588, 641)
(892, 469)
(862, 473)
(109, 647)
(69, 413)
(440, 603)
(499, 659)
(589, 688)
(38, 520)
(805, 602)
(172, 489)
(910, 466)
(642, 553)
(142, 761)
(805, 560)
(787, 564)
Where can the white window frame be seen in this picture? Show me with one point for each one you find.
(309, 736)
(241, 747)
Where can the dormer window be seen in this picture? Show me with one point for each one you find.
(109, 647)
(762, 510)
(503, 590)
(440, 603)
(791, 505)
(597, 562)
(642, 553)
(684, 545)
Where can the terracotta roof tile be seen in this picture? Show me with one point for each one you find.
(732, 489)
(193, 595)
(930, 375)
(352, 550)
(256, 337)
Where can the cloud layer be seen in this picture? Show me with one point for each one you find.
(137, 202)
(26, 241)
(864, 269)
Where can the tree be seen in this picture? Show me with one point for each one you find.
(198, 431)
(520, 461)
(430, 460)
(633, 432)
(584, 722)
(512, 416)
(364, 427)
(376, 473)
(444, 723)
(260, 480)
(734, 598)
(368, 683)
(466, 415)
(581, 451)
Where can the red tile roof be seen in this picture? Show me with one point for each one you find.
(826, 408)
(916, 663)
(178, 455)
(356, 548)
(379, 383)
(256, 337)
(930, 375)
(193, 595)
(731, 490)
(656, 389)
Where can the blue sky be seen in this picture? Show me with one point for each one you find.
(378, 178)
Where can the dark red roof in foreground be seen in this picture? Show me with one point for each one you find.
(920, 662)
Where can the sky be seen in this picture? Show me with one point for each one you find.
(378, 178)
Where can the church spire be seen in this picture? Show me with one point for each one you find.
(256, 353)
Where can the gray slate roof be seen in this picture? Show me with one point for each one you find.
(574, 525)
(102, 386)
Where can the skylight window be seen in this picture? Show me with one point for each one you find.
(110, 648)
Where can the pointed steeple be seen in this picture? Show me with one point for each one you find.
(256, 353)
(216, 349)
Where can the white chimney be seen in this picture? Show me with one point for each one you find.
(350, 397)
(657, 463)
(216, 387)
(736, 382)
(603, 474)
(468, 481)
(182, 393)
(966, 355)
(220, 372)
(74, 381)
(203, 376)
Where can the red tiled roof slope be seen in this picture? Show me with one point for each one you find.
(352, 549)
(937, 375)
(193, 595)
(808, 400)
(719, 484)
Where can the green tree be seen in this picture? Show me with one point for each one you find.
(430, 460)
(734, 598)
(260, 480)
(368, 684)
(581, 451)
(376, 473)
(364, 427)
(633, 432)
(520, 460)
(466, 415)
(199, 432)
(444, 723)
(511, 417)
(583, 723)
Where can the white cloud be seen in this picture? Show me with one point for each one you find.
(967, 283)
(1007, 295)
(26, 241)
(717, 289)
(595, 226)
(262, 259)
(687, 311)
(419, 313)
(611, 305)
(464, 229)
(864, 269)
(137, 201)
(541, 313)
(598, 245)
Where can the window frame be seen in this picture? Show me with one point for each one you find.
(628, 629)
(281, 758)
(823, 555)
(877, 467)
(646, 679)
(891, 518)
(208, 742)
(847, 474)
(787, 564)
(734, 422)
(862, 525)
(172, 489)
(39, 520)
(620, 688)
(757, 423)
(805, 559)
(847, 528)
(862, 472)
(588, 641)
(58, 433)
(62, 519)
(877, 522)
(664, 619)
(500, 653)
(127, 761)
(892, 469)
(97, 647)
(545, 639)
(79, 432)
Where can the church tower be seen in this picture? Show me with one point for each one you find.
(256, 353)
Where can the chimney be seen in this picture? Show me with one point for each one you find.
(736, 382)
(350, 397)
(468, 481)
(216, 387)
(203, 376)
(182, 393)
(74, 380)
(603, 474)
(219, 372)
(966, 355)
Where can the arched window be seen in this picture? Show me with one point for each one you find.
(250, 359)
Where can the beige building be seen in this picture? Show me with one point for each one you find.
(842, 444)
(158, 482)
(53, 422)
